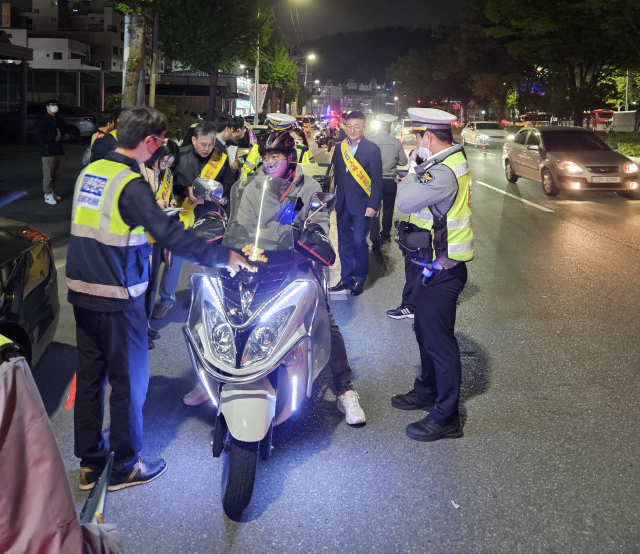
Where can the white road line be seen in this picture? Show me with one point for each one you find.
(515, 197)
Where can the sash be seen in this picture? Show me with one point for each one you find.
(354, 167)
(164, 190)
(210, 171)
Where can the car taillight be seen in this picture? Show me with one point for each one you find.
(34, 234)
(93, 120)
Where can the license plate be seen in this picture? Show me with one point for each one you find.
(606, 180)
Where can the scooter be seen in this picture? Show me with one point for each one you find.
(257, 341)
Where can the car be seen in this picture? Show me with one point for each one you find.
(81, 122)
(29, 304)
(480, 133)
(306, 122)
(404, 130)
(568, 158)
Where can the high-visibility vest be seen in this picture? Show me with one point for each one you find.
(7, 346)
(452, 234)
(251, 161)
(106, 257)
(304, 155)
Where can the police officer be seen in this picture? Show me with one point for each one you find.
(107, 275)
(437, 191)
(276, 122)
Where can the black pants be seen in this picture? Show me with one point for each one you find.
(434, 304)
(389, 189)
(154, 277)
(410, 271)
(352, 245)
(113, 346)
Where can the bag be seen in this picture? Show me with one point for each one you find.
(86, 157)
(414, 242)
(211, 226)
(315, 245)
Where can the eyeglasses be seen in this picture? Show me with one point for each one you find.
(164, 140)
(354, 128)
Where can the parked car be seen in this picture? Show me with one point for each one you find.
(568, 158)
(483, 132)
(403, 130)
(29, 305)
(81, 122)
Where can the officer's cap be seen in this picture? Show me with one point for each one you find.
(280, 121)
(430, 119)
(386, 118)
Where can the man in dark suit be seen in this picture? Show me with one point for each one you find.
(357, 173)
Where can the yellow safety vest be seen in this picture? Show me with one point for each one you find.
(251, 161)
(304, 154)
(106, 257)
(210, 171)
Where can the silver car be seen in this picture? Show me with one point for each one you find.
(481, 133)
(568, 158)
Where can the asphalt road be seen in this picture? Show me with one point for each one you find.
(548, 329)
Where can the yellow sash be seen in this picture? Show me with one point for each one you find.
(164, 190)
(210, 171)
(354, 167)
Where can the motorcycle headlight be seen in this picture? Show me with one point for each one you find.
(265, 336)
(221, 338)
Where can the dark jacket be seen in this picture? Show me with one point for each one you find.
(191, 166)
(102, 146)
(350, 194)
(45, 131)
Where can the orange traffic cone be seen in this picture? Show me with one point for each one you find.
(72, 395)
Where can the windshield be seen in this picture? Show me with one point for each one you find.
(604, 115)
(495, 126)
(572, 141)
(261, 215)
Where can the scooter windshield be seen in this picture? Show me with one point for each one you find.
(261, 216)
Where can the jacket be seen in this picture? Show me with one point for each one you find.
(351, 195)
(392, 153)
(45, 131)
(102, 146)
(190, 168)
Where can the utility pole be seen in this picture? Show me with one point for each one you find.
(626, 94)
(154, 62)
(257, 85)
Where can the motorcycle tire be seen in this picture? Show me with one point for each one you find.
(265, 444)
(238, 476)
(219, 435)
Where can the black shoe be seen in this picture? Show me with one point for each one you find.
(385, 240)
(410, 401)
(143, 472)
(401, 312)
(342, 285)
(428, 430)
(358, 288)
(153, 334)
(152, 344)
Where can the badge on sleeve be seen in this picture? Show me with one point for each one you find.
(91, 191)
(427, 177)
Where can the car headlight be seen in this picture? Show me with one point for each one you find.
(630, 167)
(569, 167)
(510, 137)
(265, 336)
(221, 337)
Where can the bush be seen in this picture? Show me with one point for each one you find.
(178, 116)
(628, 143)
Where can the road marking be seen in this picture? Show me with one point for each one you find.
(515, 197)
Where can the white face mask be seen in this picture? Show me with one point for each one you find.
(53, 109)
(424, 152)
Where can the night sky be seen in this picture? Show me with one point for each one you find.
(324, 17)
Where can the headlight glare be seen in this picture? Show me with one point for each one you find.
(220, 334)
(569, 167)
(510, 137)
(265, 336)
(630, 167)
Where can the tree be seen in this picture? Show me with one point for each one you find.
(620, 18)
(564, 40)
(281, 74)
(213, 35)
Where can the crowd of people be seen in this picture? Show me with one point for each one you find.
(138, 192)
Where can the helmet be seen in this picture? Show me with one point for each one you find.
(278, 141)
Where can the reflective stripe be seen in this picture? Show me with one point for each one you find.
(424, 215)
(461, 169)
(88, 232)
(461, 247)
(459, 223)
(4, 340)
(106, 291)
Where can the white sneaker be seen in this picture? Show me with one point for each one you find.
(349, 405)
(196, 397)
(50, 199)
(58, 198)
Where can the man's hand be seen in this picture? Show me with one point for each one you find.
(370, 212)
(237, 262)
(161, 203)
(234, 165)
(58, 138)
(191, 199)
(167, 257)
(66, 137)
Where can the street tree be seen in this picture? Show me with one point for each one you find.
(564, 40)
(213, 36)
(281, 74)
(620, 18)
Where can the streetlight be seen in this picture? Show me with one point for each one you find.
(317, 81)
(311, 57)
(306, 70)
(395, 98)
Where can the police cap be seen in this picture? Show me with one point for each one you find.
(430, 119)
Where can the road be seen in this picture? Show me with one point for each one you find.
(548, 329)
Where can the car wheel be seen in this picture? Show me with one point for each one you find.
(74, 133)
(511, 175)
(548, 184)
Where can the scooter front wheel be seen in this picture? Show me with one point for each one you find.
(238, 476)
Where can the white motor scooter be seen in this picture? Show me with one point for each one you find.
(257, 341)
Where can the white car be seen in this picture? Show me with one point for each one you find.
(484, 132)
(404, 130)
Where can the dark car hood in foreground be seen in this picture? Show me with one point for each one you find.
(11, 242)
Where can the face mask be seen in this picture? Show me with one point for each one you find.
(424, 152)
(53, 109)
(153, 158)
(276, 169)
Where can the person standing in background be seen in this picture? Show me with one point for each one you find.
(107, 141)
(51, 131)
(393, 155)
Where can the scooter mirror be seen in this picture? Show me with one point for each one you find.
(323, 200)
(206, 189)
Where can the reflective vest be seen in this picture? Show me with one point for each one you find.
(452, 234)
(106, 257)
(251, 161)
(7, 346)
(304, 155)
